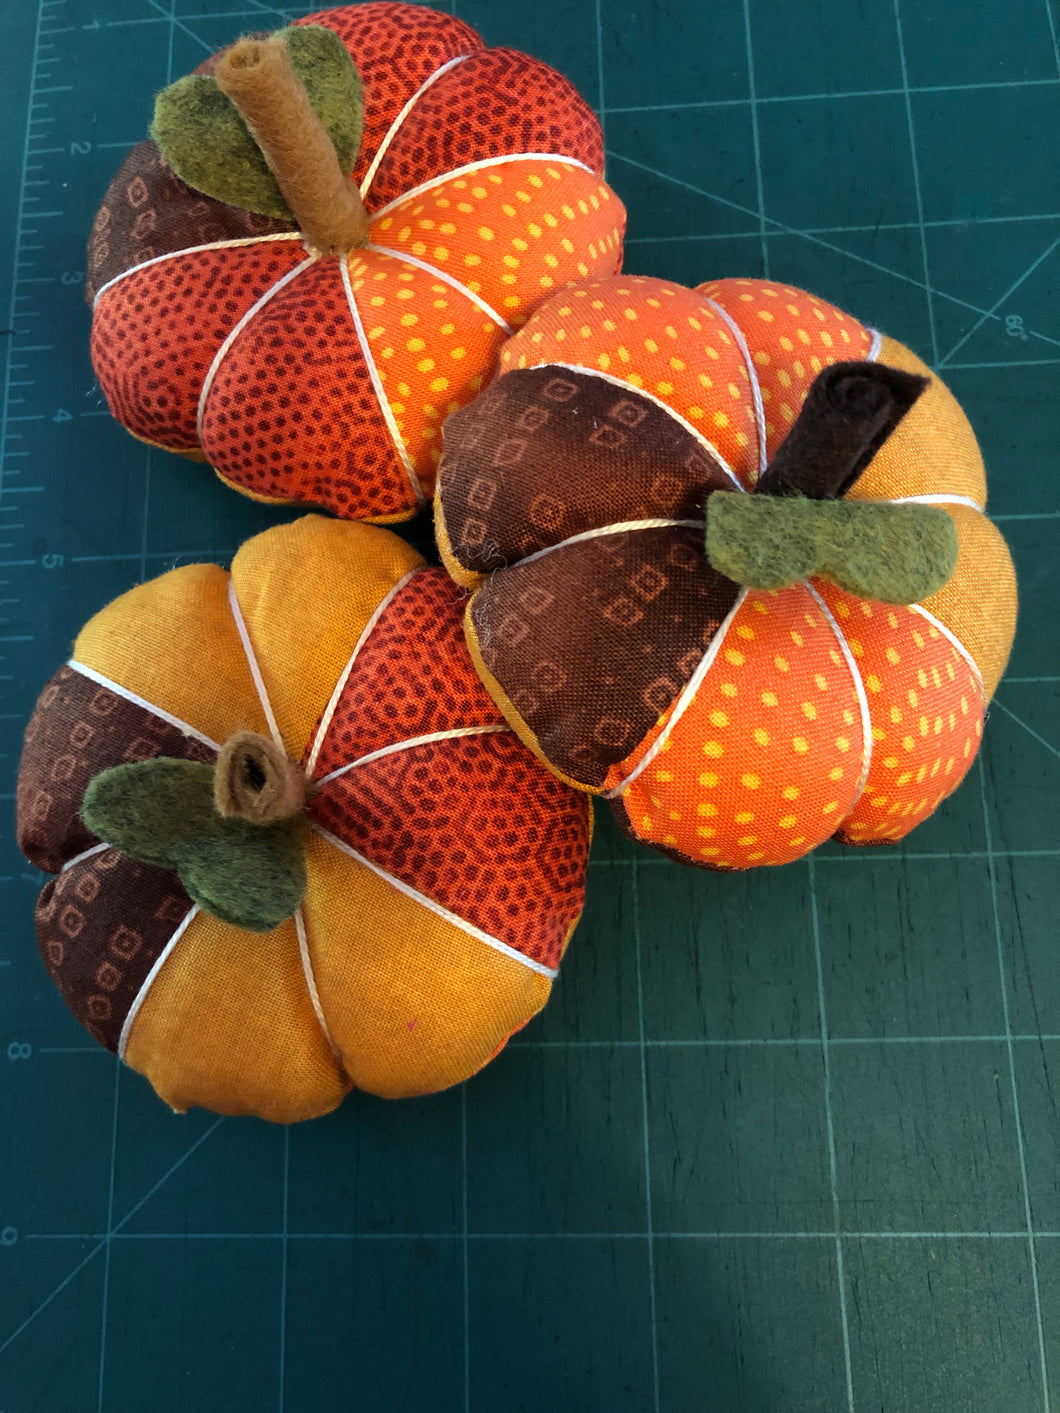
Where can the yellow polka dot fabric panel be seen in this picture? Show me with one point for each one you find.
(767, 756)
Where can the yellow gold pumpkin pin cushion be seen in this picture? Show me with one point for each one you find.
(296, 848)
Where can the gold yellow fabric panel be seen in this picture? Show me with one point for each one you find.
(228, 1024)
(173, 642)
(306, 591)
(414, 1003)
(932, 452)
(978, 604)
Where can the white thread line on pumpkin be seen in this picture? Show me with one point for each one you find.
(859, 688)
(392, 131)
(436, 908)
(756, 387)
(629, 388)
(87, 854)
(149, 979)
(951, 636)
(193, 250)
(411, 742)
(450, 280)
(620, 527)
(481, 166)
(684, 701)
(111, 686)
(875, 346)
(939, 500)
(311, 982)
(233, 334)
(252, 663)
(377, 384)
(340, 685)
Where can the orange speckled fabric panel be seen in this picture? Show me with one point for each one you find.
(292, 411)
(790, 336)
(926, 708)
(412, 676)
(155, 332)
(474, 822)
(396, 49)
(657, 336)
(495, 102)
(767, 758)
(511, 232)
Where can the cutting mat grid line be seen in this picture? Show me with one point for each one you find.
(781, 1142)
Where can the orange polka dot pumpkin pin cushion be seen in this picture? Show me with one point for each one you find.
(731, 566)
(259, 936)
(304, 330)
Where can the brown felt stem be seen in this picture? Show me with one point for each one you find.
(255, 781)
(849, 412)
(257, 75)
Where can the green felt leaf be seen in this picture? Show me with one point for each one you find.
(162, 812)
(202, 136)
(896, 554)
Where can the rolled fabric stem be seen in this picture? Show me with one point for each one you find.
(255, 781)
(257, 75)
(849, 412)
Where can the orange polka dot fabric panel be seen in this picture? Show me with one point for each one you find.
(270, 370)
(769, 753)
(926, 701)
(790, 336)
(466, 818)
(728, 727)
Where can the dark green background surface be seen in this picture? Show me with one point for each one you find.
(781, 1142)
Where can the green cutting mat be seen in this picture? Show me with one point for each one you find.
(782, 1142)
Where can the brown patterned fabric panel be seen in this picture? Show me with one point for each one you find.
(593, 642)
(477, 825)
(149, 211)
(549, 452)
(77, 729)
(98, 962)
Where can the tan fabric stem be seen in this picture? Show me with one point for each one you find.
(254, 780)
(258, 77)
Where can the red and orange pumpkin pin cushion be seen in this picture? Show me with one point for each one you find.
(740, 675)
(259, 937)
(307, 332)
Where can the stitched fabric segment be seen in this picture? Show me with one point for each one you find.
(101, 926)
(472, 822)
(77, 729)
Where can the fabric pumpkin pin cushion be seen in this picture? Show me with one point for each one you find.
(296, 847)
(304, 330)
(730, 565)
